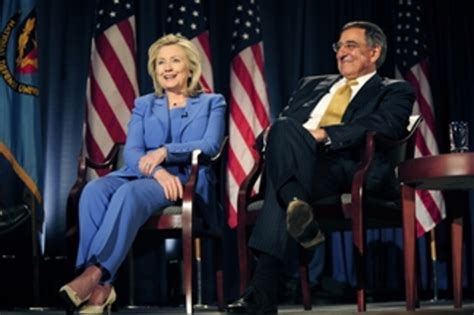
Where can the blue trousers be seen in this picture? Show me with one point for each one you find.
(111, 210)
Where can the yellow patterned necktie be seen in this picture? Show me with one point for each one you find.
(338, 105)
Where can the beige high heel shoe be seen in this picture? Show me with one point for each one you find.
(99, 309)
(70, 297)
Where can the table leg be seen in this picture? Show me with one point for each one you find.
(408, 205)
(456, 252)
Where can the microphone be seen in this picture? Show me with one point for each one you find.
(184, 115)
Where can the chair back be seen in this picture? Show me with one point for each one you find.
(219, 165)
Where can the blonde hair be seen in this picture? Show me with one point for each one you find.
(193, 62)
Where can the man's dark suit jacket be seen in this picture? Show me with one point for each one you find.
(381, 105)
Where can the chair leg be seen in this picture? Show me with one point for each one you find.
(358, 239)
(243, 257)
(131, 277)
(219, 274)
(361, 302)
(456, 252)
(187, 272)
(408, 204)
(305, 288)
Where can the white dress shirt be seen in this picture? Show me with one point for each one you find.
(319, 110)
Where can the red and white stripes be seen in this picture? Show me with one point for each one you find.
(202, 43)
(249, 115)
(111, 88)
(430, 208)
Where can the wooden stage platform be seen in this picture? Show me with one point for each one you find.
(442, 307)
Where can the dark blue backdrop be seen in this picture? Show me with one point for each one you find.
(297, 41)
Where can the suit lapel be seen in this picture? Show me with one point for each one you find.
(160, 112)
(318, 91)
(363, 97)
(308, 97)
(192, 109)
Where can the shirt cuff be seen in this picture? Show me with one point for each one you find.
(327, 142)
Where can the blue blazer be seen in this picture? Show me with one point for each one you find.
(203, 128)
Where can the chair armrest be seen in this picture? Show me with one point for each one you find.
(206, 160)
(84, 163)
(372, 140)
(197, 159)
(246, 187)
(109, 160)
(401, 148)
(360, 175)
(245, 190)
(188, 190)
(408, 140)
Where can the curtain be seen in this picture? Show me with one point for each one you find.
(297, 37)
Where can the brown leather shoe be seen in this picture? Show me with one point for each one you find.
(301, 225)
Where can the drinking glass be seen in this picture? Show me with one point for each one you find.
(458, 136)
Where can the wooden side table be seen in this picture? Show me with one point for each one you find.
(452, 171)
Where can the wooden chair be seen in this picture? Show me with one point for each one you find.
(176, 221)
(354, 211)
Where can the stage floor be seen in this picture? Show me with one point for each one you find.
(441, 307)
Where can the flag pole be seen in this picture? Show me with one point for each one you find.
(434, 264)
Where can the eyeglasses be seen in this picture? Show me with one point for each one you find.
(349, 45)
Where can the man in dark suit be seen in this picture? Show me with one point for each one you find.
(313, 149)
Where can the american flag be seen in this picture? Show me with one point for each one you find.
(249, 112)
(112, 82)
(412, 65)
(187, 18)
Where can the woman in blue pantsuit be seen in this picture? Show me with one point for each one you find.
(165, 127)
